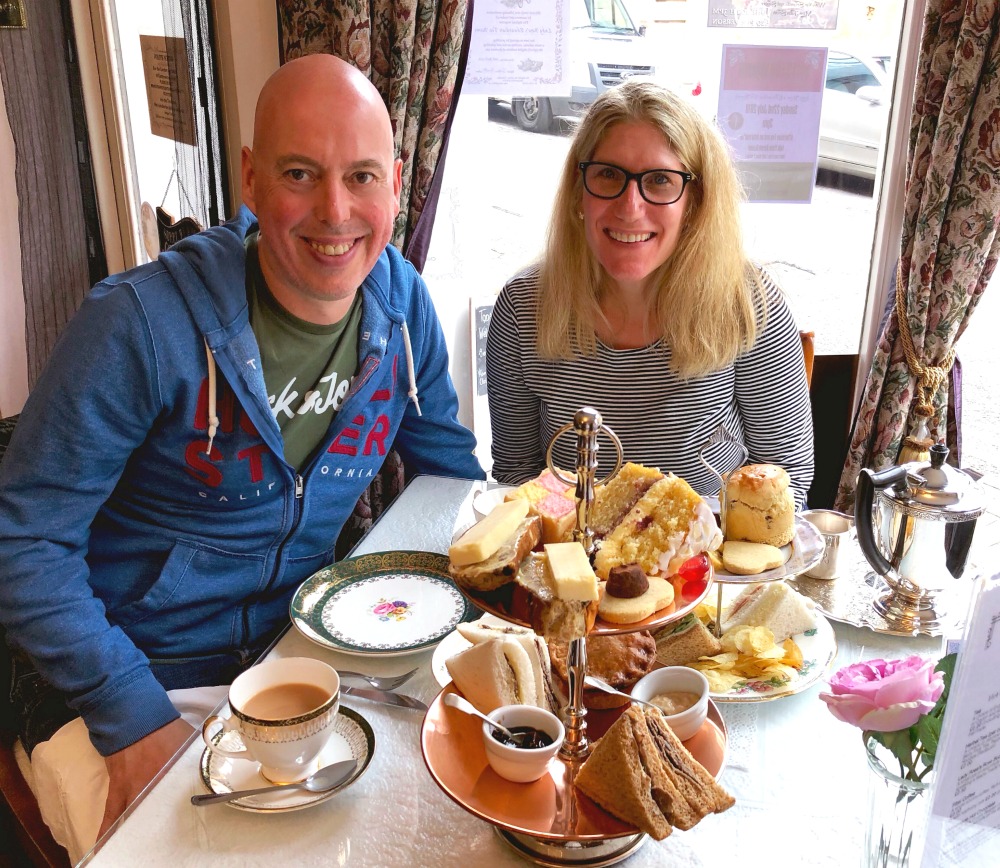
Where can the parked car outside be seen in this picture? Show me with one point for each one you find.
(606, 47)
(855, 114)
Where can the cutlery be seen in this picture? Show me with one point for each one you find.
(456, 701)
(384, 696)
(594, 681)
(381, 682)
(321, 781)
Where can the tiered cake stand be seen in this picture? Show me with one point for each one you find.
(550, 821)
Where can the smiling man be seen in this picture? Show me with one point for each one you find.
(204, 428)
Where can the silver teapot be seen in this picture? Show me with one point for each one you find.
(915, 524)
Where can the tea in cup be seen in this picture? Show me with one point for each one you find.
(284, 712)
(834, 527)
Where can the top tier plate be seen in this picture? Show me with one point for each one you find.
(804, 552)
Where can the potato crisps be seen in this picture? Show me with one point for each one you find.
(749, 653)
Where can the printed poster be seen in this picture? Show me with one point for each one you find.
(774, 14)
(519, 47)
(769, 108)
(963, 830)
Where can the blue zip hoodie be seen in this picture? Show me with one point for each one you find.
(136, 551)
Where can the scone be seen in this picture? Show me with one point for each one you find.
(760, 505)
(620, 659)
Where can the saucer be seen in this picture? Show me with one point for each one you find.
(352, 738)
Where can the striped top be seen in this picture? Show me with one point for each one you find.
(662, 420)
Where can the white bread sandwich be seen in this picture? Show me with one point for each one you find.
(641, 773)
(760, 505)
(773, 605)
(497, 672)
(534, 645)
(685, 641)
(488, 555)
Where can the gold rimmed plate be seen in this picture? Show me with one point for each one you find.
(352, 738)
(386, 604)
(801, 554)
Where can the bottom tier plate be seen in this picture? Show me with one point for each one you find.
(550, 808)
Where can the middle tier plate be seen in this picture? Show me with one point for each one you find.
(549, 808)
(507, 603)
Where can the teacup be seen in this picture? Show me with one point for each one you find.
(284, 712)
(834, 526)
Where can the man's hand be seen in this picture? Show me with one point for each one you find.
(130, 769)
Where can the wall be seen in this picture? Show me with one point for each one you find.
(13, 352)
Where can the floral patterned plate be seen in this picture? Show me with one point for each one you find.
(819, 650)
(383, 604)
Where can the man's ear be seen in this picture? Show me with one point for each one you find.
(397, 184)
(247, 178)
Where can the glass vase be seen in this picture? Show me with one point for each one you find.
(897, 812)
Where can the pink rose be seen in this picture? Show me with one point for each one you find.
(884, 695)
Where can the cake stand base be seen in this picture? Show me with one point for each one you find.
(559, 854)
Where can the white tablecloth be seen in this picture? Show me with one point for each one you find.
(799, 775)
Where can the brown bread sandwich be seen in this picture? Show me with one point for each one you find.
(642, 774)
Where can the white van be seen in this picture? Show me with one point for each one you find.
(606, 47)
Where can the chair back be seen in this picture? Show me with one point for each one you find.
(808, 352)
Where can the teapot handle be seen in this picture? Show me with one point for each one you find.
(868, 483)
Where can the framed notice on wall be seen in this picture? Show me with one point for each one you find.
(168, 88)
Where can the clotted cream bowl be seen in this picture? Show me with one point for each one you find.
(670, 681)
(519, 764)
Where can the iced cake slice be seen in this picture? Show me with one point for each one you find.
(669, 524)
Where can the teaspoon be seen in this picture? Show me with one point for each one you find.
(321, 781)
(462, 704)
(594, 681)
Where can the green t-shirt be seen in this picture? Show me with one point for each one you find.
(307, 368)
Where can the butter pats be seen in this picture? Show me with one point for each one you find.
(569, 569)
(487, 536)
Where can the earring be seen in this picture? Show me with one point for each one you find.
(579, 215)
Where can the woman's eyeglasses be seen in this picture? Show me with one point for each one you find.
(657, 186)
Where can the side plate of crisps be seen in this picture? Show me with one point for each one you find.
(759, 677)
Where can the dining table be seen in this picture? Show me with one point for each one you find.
(799, 776)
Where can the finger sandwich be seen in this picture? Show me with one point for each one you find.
(773, 605)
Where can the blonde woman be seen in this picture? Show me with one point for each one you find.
(646, 307)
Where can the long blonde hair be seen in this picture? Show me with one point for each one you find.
(706, 291)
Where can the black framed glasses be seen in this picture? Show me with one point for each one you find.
(656, 186)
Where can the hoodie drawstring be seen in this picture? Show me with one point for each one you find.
(409, 368)
(213, 419)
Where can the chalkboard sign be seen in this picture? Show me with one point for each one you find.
(481, 316)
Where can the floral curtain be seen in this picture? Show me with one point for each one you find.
(949, 245)
(414, 53)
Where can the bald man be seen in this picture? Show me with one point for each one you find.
(203, 430)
